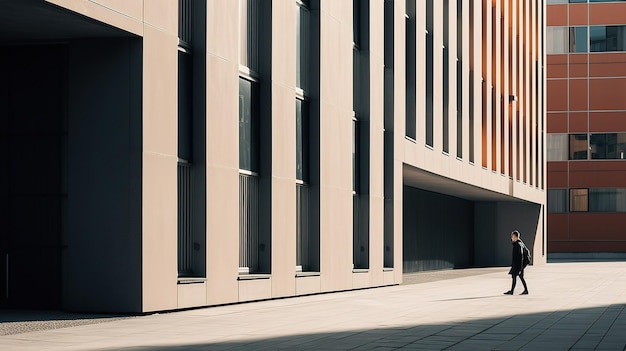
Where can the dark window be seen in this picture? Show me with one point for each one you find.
(302, 140)
(557, 200)
(578, 39)
(185, 93)
(607, 200)
(248, 126)
(355, 156)
(411, 131)
(578, 147)
(429, 71)
(459, 78)
(607, 38)
(446, 77)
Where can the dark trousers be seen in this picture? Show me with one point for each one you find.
(521, 277)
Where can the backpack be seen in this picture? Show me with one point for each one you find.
(526, 257)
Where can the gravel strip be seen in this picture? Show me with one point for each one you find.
(18, 322)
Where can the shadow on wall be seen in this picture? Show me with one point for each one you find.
(589, 329)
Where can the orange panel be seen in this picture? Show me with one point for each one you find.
(609, 166)
(557, 71)
(586, 246)
(597, 179)
(556, 95)
(557, 122)
(557, 226)
(607, 13)
(607, 65)
(578, 122)
(597, 226)
(607, 94)
(606, 122)
(557, 166)
(578, 65)
(578, 95)
(557, 15)
(557, 179)
(578, 14)
(560, 59)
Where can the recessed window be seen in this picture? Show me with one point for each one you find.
(607, 38)
(557, 40)
(557, 200)
(579, 200)
(607, 200)
(557, 147)
(578, 146)
(248, 126)
(577, 39)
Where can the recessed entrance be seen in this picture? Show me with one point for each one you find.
(33, 149)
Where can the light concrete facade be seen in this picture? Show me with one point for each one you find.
(119, 203)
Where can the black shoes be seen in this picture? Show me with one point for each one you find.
(508, 292)
(525, 292)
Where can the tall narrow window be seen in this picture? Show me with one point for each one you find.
(459, 78)
(185, 114)
(470, 92)
(303, 239)
(302, 186)
(249, 115)
(388, 103)
(361, 141)
(446, 77)
(429, 71)
(411, 131)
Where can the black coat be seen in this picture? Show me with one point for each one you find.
(516, 258)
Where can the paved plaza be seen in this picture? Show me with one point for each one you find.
(571, 306)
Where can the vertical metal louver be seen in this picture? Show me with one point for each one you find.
(249, 29)
(248, 223)
(302, 226)
(184, 21)
(185, 233)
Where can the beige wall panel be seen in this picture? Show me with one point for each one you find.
(222, 132)
(336, 239)
(341, 11)
(283, 236)
(223, 29)
(389, 278)
(257, 289)
(222, 153)
(131, 8)
(191, 295)
(308, 285)
(160, 92)
(104, 14)
(162, 14)
(361, 280)
(159, 256)
(283, 133)
(284, 44)
(222, 233)
(335, 180)
(376, 240)
(159, 170)
(336, 64)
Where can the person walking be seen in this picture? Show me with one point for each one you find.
(518, 263)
